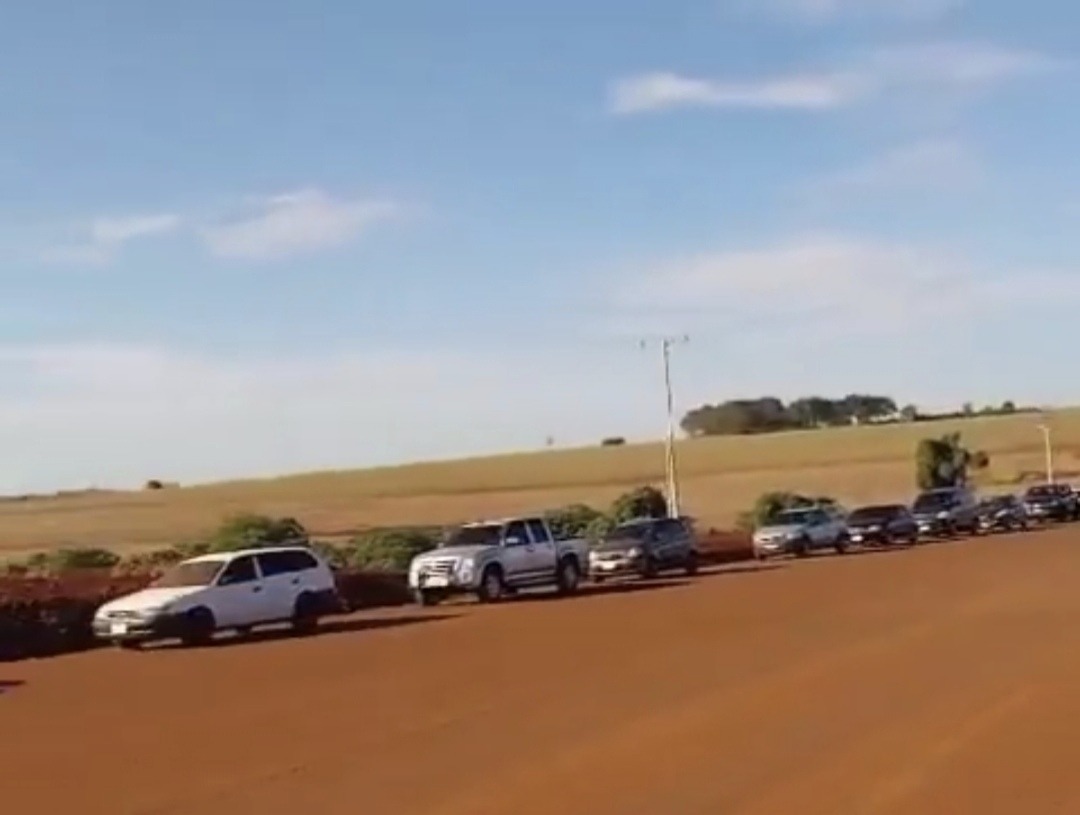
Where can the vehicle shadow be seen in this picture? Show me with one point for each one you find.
(10, 685)
(745, 567)
(330, 627)
(614, 585)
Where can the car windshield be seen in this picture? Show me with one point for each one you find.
(480, 535)
(189, 573)
(794, 517)
(1042, 491)
(873, 513)
(629, 532)
(930, 501)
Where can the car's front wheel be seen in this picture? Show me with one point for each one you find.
(198, 627)
(692, 564)
(568, 577)
(492, 587)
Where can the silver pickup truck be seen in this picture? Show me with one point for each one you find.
(491, 559)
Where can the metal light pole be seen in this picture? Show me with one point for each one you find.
(670, 463)
(1048, 445)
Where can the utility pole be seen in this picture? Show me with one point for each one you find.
(1049, 452)
(670, 463)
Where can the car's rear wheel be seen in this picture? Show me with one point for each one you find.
(305, 617)
(198, 627)
(801, 547)
(568, 576)
(649, 568)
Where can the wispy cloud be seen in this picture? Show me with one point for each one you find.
(933, 68)
(941, 164)
(294, 223)
(820, 11)
(850, 284)
(108, 235)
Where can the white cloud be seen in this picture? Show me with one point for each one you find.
(304, 221)
(928, 68)
(820, 11)
(662, 91)
(114, 415)
(848, 284)
(944, 164)
(108, 236)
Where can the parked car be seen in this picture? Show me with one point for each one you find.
(1002, 513)
(491, 559)
(1051, 502)
(946, 511)
(230, 590)
(645, 547)
(884, 524)
(801, 531)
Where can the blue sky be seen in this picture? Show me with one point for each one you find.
(254, 237)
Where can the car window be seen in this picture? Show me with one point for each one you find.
(274, 563)
(672, 529)
(516, 534)
(539, 531)
(241, 570)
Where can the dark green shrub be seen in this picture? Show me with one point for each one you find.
(388, 549)
(572, 521)
(643, 502)
(246, 531)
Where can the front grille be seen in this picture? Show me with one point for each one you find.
(440, 567)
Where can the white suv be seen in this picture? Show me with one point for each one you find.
(229, 590)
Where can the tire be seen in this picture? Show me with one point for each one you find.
(841, 546)
(801, 547)
(568, 576)
(648, 568)
(692, 565)
(887, 540)
(425, 598)
(199, 627)
(305, 616)
(492, 587)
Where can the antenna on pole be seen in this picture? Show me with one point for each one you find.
(670, 463)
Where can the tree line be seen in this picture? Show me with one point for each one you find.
(767, 414)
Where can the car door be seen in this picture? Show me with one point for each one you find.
(516, 552)
(239, 596)
(543, 554)
(282, 573)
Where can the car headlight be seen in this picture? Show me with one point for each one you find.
(634, 552)
(942, 516)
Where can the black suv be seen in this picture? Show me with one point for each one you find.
(645, 547)
(946, 511)
(1002, 513)
(1053, 502)
(886, 524)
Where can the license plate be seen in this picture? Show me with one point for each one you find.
(856, 538)
(437, 580)
(118, 628)
(606, 567)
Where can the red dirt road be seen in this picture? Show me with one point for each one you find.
(938, 680)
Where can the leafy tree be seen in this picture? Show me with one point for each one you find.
(909, 413)
(770, 504)
(246, 531)
(643, 502)
(1008, 406)
(573, 521)
(945, 462)
(388, 549)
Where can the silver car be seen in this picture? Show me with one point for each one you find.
(800, 532)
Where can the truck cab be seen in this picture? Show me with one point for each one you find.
(491, 559)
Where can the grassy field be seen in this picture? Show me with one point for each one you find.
(719, 478)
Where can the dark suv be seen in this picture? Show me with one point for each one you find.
(1002, 513)
(1054, 502)
(645, 547)
(886, 524)
(946, 511)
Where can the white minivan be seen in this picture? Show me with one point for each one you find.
(227, 590)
